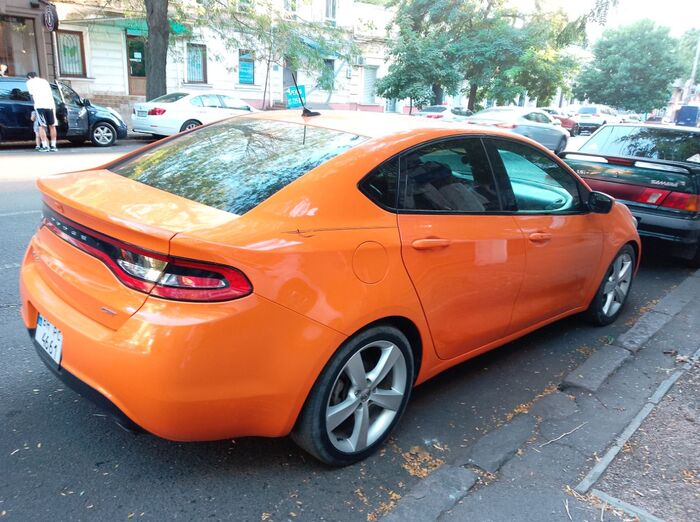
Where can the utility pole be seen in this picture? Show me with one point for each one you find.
(691, 82)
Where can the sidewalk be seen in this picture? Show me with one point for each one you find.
(546, 464)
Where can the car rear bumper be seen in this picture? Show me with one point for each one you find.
(588, 127)
(188, 371)
(682, 231)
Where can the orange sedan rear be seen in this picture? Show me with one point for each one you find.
(273, 274)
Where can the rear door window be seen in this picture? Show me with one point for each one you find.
(236, 164)
(14, 91)
(169, 98)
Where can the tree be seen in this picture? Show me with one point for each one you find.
(687, 47)
(156, 47)
(633, 68)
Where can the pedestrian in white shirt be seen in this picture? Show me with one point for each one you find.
(45, 108)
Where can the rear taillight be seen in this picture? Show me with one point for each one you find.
(150, 272)
(651, 196)
(435, 116)
(506, 125)
(156, 111)
(681, 201)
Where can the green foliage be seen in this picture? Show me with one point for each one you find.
(686, 51)
(633, 68)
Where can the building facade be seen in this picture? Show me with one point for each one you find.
(25, 44)
(102, 55)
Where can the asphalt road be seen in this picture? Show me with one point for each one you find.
(62, 459)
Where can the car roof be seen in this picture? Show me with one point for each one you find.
(643, 125)
(371, 124)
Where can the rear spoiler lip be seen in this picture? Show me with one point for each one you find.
(683, 168)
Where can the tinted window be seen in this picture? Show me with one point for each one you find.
(434, 108)
(587, 110)
(211, 100)
(69, 95)
(234, 103)
(538, 183)
(236, 164)
(645, 142)
(16, 91)
(452, 176)
(197, 101)
(169, 98)
(381, 185)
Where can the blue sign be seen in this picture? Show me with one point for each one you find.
(246, 72)
(293, 99)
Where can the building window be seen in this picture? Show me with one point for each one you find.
(330, 9)
(71, 54)
(196, 63)
(246, 67)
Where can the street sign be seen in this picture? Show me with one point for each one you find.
(293, 99)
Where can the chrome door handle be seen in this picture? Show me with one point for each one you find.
(430, 244)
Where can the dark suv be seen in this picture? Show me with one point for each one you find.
(77, 119)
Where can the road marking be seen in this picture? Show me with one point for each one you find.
(20, 213)
(7, 266)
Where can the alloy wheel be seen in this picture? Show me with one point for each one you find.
(103, 135)
(366, 396)
(617, 284)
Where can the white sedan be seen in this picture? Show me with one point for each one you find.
(180, 111)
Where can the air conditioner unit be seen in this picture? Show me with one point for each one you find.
(358, 60)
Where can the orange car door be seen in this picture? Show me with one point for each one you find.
(564, 240)
(465, 258)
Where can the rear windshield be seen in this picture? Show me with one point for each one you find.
(169, 98)
(236, 164)
(435, 108)
(645, 142)
(587, 110)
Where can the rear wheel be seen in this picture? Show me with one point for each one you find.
(358, 398)
(613, 291)
(574, 130)
(190, 124)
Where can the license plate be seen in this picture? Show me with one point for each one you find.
(49, 338)
(141, 114)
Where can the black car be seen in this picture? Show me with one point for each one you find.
(77, 119)
(655, 171)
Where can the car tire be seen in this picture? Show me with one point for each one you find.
(103, 134)
(562, 145)
(574, 131)
(189, 125)
(371, 374)
(613, 291)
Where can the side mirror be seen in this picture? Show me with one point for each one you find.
(600, 203)
(86, 102)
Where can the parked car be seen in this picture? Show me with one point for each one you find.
(688, 116)
(445, 112)
(590, 117)
(273, 274)
(566, 121)
(181, 111)
(78, 120)
(526, 121)
(655, 171)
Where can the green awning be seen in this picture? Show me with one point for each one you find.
(133, 26)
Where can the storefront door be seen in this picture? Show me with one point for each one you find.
(136, 55)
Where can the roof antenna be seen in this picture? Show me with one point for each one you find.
(306, 113)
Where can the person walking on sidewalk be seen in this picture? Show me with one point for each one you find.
(45, 109)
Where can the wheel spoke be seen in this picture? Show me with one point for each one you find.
(386, 362)
(608, 302)
(609, 286)
(618, 268)
(387, 399)
(625, 271)
(355, 370)
(337, 414)
(619, 295)
(358, 439)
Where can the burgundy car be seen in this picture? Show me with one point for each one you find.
(566, 122)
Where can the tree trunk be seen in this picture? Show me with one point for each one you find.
(438, 94)
(410, 106)
(156, 47)
(472, 96)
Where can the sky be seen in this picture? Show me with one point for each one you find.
(678, 15)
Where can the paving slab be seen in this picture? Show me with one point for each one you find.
(597, 368)
(496, 447)
(557, 405)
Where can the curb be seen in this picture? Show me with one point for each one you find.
(487, 455)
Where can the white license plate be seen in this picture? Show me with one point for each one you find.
(141, 114)
(49, 338)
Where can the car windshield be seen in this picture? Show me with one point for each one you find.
(434, 108)
(645, 142)
(587, 110)
(170, 98)
(236, 164)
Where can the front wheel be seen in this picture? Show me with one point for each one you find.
(358, 398)
(613, 291)
(103, 134)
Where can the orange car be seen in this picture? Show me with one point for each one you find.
(272, 274)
